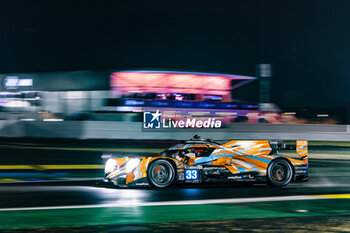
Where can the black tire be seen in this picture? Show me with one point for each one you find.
(279, 173)
(161, 173)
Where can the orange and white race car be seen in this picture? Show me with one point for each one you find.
(206, 161)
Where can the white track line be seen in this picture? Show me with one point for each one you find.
(168, 203)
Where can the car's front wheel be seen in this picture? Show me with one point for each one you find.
(279, 173)
(161, 173)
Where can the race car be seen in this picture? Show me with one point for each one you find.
(206, 161)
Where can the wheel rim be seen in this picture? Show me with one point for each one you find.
(280, 172)
(161, 174)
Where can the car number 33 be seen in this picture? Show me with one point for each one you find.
(191, 174)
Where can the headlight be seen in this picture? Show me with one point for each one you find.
(110, 165)
(131, 165)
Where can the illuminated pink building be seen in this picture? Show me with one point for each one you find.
(201, 85)
(183, 93)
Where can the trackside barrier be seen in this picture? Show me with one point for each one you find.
(133, 130)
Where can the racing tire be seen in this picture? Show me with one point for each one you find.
(279, 173)
(161, 174)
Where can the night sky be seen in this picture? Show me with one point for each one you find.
(308, 42)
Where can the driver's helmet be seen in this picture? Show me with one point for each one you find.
(191, 153)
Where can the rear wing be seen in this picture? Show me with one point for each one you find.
(302, 150)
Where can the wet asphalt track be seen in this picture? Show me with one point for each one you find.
(326, 177)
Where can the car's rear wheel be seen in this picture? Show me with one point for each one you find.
(161, 173)
(279, 173)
